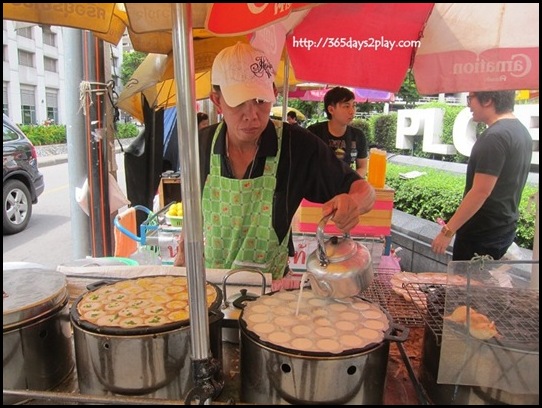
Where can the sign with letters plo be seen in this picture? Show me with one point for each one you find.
(428, 123)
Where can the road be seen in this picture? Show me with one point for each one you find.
(48, 238)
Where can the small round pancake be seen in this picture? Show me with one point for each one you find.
(178, 315)
(279, 338)
(270, 301)
(92, 316)
(114, 306)
(349, 316)
(176, 304)
(372, 314)
(289, 296)
(325, 332)
(284, 321)
(108, 320)
(258, 318)
(328, 345)
(322, 321)
(369, 334)
(338, 307)
(260, 309)
(264, 328)
(375, 324)
(301, 330)
(130, 322)
(302, 343)
(351, 341)
(345, 325)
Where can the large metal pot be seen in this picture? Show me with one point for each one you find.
(37, 339)
(271, 374)
(149, 361)
(339, 267)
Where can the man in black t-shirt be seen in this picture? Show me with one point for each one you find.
(499, 163)
(348, 143)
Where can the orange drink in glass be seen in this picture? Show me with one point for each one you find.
(377, 168)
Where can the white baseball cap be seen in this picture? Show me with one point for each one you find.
(243, 73)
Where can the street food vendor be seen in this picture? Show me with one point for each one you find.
(255, 171)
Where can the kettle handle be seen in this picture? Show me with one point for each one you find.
(324, 260)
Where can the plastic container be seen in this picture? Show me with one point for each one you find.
(377, 168)
(175, 220)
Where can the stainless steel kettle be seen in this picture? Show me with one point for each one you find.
(339, 267)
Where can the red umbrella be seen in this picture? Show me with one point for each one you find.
(452, 47)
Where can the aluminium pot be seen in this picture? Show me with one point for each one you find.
(271, 374)
(37, 339)
(152, 361)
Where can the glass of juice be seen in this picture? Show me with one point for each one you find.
(377, 168)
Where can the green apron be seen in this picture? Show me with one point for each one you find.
(237, 218)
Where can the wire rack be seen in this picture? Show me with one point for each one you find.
(381, 292)
(514, 311)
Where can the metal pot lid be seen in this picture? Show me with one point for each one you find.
(340, 249)
(30, 293)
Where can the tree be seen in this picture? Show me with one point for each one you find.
(409, 92)
(130, 62)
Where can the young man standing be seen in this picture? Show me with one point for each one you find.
(348, 143)
(486, 220)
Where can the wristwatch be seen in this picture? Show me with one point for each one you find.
(448, 233)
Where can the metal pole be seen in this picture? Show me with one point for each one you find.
(75, 129)
(190, 179)
(285, 87)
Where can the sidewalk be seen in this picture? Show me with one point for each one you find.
(49, 155)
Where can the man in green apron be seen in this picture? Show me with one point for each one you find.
(256, 171)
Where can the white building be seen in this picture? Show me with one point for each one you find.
(34, 80)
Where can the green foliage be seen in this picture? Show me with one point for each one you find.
(130, 62)
(363, 124)
(385, 131)
(41, 135)
(44, 135)
(409, 92)
(439, 193)
(126, 130)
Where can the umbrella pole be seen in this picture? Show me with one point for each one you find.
(204, 367)
(98, 175)
(285, 87)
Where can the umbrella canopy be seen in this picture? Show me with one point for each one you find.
(452, 47)
(361, 95)
(276, 111)
(479, 47)
(153, 79)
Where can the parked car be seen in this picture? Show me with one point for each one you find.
(23, 182)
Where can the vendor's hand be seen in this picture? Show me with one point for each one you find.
(440, 243)
(180, 259)
(346, 211)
